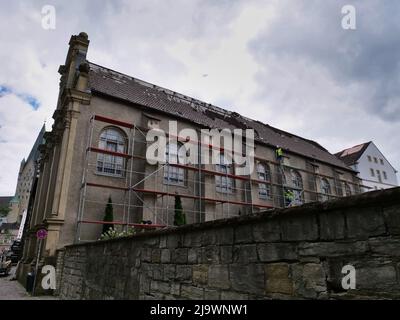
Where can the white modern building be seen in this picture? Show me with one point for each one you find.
(374, 169)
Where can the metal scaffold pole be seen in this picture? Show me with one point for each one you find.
(199, 148)
(283, 180)
(132, 143)
(83, 181)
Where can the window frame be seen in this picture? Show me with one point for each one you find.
(223, 183)
(347, 189)
(297, 188)
(111, 165)
(264, 189)
(170, 171)
(378, 175)
(325, 184)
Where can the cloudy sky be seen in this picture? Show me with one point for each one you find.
(288, 63)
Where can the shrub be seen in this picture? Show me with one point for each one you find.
(180, 217)
(108, 217)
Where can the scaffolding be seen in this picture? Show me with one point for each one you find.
(241, 194)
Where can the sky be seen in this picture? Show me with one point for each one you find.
(288, 63)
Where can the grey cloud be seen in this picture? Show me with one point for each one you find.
(368, 57)
(314, 78)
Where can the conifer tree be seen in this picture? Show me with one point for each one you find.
(180, 217)
(108, 216)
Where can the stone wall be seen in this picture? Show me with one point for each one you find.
(288, 253)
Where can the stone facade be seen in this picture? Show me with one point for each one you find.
(295, 253)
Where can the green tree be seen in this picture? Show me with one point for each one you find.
(4, 211)
(180, 217)
(109, 216)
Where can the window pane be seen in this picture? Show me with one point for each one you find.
(297, 181)
(173, 174)
(347, 189)
(111, 140)
(223, 183)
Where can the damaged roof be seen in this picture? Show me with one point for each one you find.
(108, 82)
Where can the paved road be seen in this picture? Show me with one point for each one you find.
(13, 290)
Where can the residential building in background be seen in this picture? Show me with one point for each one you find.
(96, 151)
(374, 169)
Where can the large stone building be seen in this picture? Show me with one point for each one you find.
(26, 177)
(97, 150)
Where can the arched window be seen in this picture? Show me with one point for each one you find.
(224, 183)
(297, 187)
(325, 189)
(263, 173)
(347, 189)
(173, 174)
(111, 139)
(297, 181)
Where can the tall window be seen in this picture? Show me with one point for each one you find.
(111, 139)
(297, 183)
(224, 183)
(325, 189)
(172, 174)
(263, 173)
(347, 189)
(378, 173)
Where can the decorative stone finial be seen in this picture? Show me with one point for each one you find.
(83, 35)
